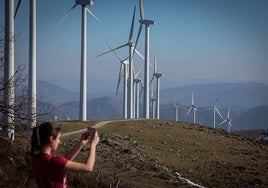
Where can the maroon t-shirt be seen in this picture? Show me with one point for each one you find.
(48, 171)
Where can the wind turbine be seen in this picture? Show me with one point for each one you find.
(123, 63)
(215, 110)
(130, 74)
(157, 76)
(176, 106)
(227, 120)
(9, 94)
(147, 23)
(32, 61)
(192, 108)
(83, 72)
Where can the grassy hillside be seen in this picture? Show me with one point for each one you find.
(159, 153)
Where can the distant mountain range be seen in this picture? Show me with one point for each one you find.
(248, 104)
(48, 92)
(243, 95)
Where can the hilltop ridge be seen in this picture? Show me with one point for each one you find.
(157, 153)
(151, 153)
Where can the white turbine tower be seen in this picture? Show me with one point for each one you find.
(123, 63)
(193, 108)
(83, 72)
(130, 74)
(9, 94)
(137, 83)
(176, 106)
(32, 62)
(227, 120)
(147, 23)
(141, 89)
(152, 99)
(157, 76)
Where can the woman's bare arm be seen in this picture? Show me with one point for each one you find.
(88, 166)
(71, 154)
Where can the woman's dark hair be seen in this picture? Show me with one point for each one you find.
(41, 135)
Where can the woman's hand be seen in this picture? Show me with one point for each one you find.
(85, 137)
(95, 139)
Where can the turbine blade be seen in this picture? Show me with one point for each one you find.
(137, 39)
(218, 112)
(223, 122)
(93, 15)
(67, 13)
(188, 111)
(207, 107)
(228, 114)
(121, 72)
(192, 98)
(132, 25)
(137, 52)
(136, 75)
(150, 65)
(151, 80)
(112, 50)
(141, 90)
(134, 72)
(119, 79)
(17, 8)
(141, 10)
(217, 99)
(115, 53)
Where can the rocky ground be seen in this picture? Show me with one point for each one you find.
(163, 154)
(119, 156)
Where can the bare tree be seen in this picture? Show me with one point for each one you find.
(18, 111)
(14, 111)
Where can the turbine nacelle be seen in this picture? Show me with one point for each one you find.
(84, 2)
(125, 62)
(131, 44)
(157, 75)
(136, 80)
(147, 22)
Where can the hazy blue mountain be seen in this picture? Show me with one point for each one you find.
(104, 108)
(54, 94)
(239, 95)
(243, 95)
(246, 100)
(98, 108)
(253, 118)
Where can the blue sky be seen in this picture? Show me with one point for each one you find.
(196, 41)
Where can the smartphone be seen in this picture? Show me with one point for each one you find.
(91, 131)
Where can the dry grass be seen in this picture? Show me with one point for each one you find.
(204, 155)
(148, 153)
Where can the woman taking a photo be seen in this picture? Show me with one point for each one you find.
(48, 169)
